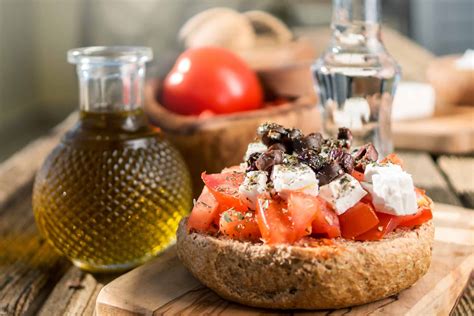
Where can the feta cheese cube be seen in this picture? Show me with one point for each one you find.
(386, 169)
(391, 188)
(252, 148)
(255, 183)
(343, 193)
(300, 178)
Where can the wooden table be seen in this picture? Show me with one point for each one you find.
(34, 279)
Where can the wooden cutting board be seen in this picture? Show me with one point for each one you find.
(449, 132)
(164, 286)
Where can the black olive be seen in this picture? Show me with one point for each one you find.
(272, 133)
(265, 128)
(294, 133)
(277, 146)
(335, 154)
(268, 159)
(364, 155)
(366, 152)
(298, 145)
(347, 162)
(292, 140)
(251, 162)
(329, 172)
(345, 134)
(313, 141)
(312, 159)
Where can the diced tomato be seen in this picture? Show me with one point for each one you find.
(326, 221)
(387, 223)
(225, 188)
(393, 158)
(220, 210)
(302, 209)
(357, 220)
(422, 200)
(204, 212)
(358, 175)
(239, 226)
(422, 216)
(273, 221)
(367, 199)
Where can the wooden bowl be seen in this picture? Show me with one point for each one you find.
(294, 79)
(212, 143)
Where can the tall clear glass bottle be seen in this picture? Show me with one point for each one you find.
(111, 194)
(356, 77)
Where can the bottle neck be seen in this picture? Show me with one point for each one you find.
(111, 87)
(356, 24)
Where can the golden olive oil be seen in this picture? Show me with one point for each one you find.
(111, 194)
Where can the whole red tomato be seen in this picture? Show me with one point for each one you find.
(211, 78)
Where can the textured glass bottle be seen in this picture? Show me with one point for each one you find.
(111, 194)
(356, 77)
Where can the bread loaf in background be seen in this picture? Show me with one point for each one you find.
(452, 84)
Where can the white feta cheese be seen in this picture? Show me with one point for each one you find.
(255, 183)
(391, 188)
(256, 147)
(288, 178)
(343, 193)
(386, 169)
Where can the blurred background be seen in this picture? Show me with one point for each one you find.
(38, 87)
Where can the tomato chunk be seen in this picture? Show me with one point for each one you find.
(326, 221)
(204, 212)
(225, 188)
(273, 221)
(387, 223)
(422, 216)
(358, 175)
(422, 200)
(302, 209)
(239, 226)
(393, 158)
(357, 220)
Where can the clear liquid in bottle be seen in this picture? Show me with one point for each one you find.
(356, 78)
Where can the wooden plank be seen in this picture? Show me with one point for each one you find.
(164, 287)
(465, 305)
(19, 170)
(460, 173)
(29, 267)
(427, 176)
(74, 294)
(450, 132)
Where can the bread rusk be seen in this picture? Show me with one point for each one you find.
(326, 274)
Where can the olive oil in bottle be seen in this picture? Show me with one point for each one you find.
(111, 194)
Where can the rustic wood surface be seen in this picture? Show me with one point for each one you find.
(164, 286)
(460, 173)
(34, 279)
(449, 132)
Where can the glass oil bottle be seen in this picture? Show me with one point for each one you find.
(111, 194)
